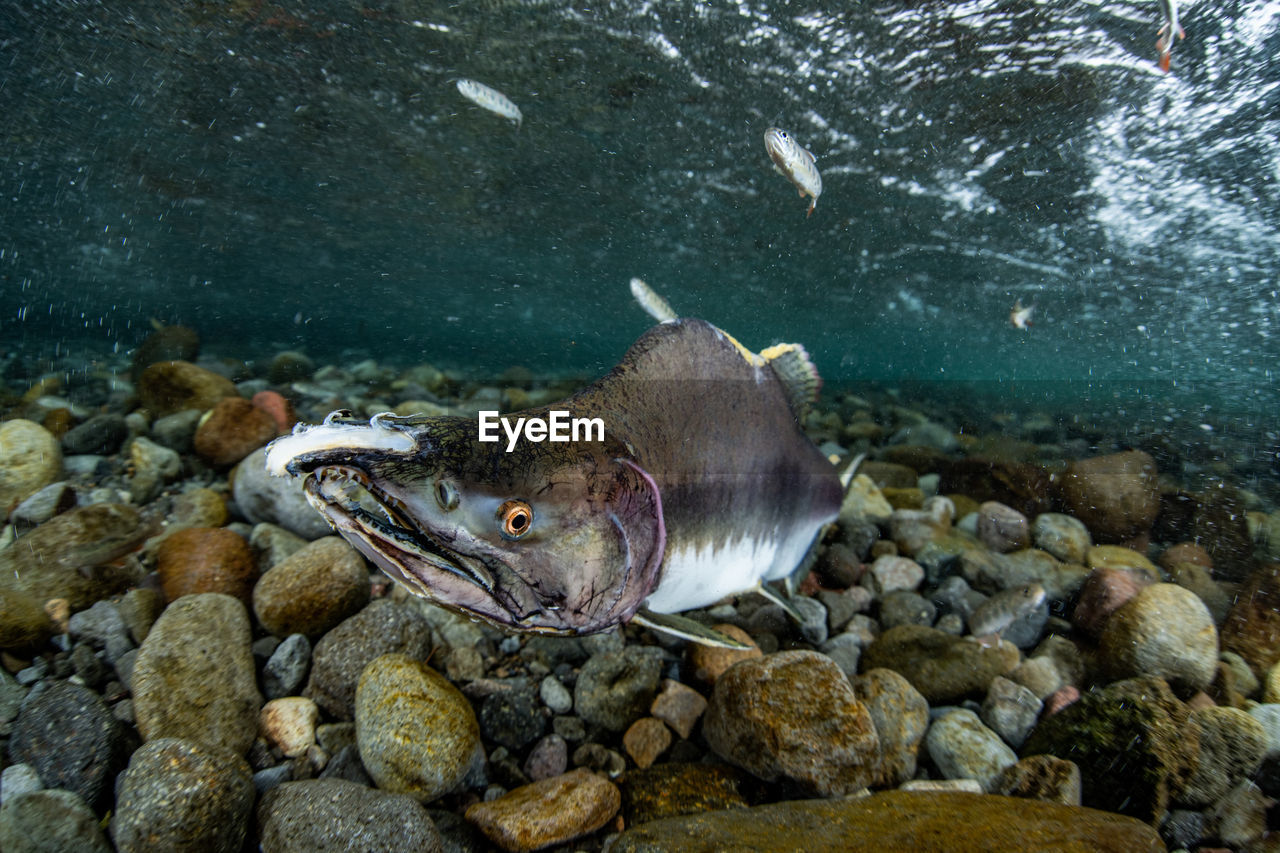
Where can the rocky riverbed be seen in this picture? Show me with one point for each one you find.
(1020, 629)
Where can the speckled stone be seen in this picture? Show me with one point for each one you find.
(30, 459)
(1041, 777)
(66, 732)
(1232, 746)
(206, 559)
(1063, 536)
(181, 795)
(670, 790)
(897, 821)
(312, 590)
(194, 677)
(342, 654)
(616, 688)
(1252, 627)
(901, 717)
(1011, 710)
(337, 816)
(417, 734)
(289, 724)
(943, 668)
(549, 812)
(511, 716)
(793, 716)
(1164, 631)
(50, 822)
(961, 747)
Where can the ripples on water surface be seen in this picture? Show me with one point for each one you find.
(307, 175)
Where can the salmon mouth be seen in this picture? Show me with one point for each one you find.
(385, 528)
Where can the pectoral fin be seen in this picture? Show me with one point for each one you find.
(686, 629)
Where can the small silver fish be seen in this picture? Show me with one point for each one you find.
(1019, 316)
(1170, 28)
(794, 163)
(490, 99)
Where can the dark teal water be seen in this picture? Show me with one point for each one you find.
(306, 175)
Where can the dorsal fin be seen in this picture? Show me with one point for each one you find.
(651, 302)
(798, 375)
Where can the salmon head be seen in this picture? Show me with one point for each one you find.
(563, 538)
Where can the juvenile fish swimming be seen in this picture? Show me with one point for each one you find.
(703, 486)
(795, 163)
(490, 99)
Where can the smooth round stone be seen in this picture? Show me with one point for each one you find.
(1104, 592)
(549, 812)
(231, 431)
(1232, 746)
(274, 544)
(1165, 631)
(945, 669)
(904, 607)
(548, 758)
(289, 366)
(206, 559)
(165, 343)
(194, 677)
(289, 724)
(793, 716)
(153, 465)
(172, 386)
(342, 654)
(312, 590)
(892, 574)
(1116, 496)
(176, 431)
(1117, 557)
(555, 695)
(200, 508)
(181, 795)
(275, 500)
(50, 822)
(616, 688)
(67, 733)
(417, 734)
(1063, 536)
(19, 779)
(1002, 528)
(338, 816)
(49, 563)
(30, 459)
(710, 662)
(963, 748)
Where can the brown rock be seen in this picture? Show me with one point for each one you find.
(206, 559)
(166, 343)
(1018, 485)
(709, 662)
(944, 668)
(678, 706)
(1252, 627)
(549, 812)
(645, 740)
(898, 822)
(1116, 496)
(1185, 552)
(234, 429)
(1002, 528)
(23, 622)
(670, 790)
(1041, 777)
(30, 459)
(1104, 592)
(171, 386)
(312, 590)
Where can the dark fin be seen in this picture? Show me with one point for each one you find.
(652, 303)
(797, 373)
(686, 629)
(780, 600)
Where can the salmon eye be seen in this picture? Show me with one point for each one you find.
(514, 519)
(446, 496)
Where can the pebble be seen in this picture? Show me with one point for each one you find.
(1117, 496)
(194, 677)
(864, 502)
(50, 822)
(19, 779)
(68, 735)
(1018, 615)
(616, 688)
(846, 650)
(152, 465)
(903, 607)
(164, 343)
(274, 544)
(233, 429)
(289, 724)
(945, 669)
(793, 716)
(1002, 528)
(1232, 746)
(101, 434)
(645, 740)
(64, 557)
(678, 706)
(342, 654)
(53, 499)
(1119, 557)
(278, 408)
(1011, 710)
(511, 716)
(901, 717)
(289, 366)
(312, 590)
(176, 431)
(549, 757)
(1240, 818)
(346, 764)
(891, 574)
(275, 500)
(182, 795)
(912, 529)
(1164, 631)
(30, 459)
(552, 811)
(555, 695)
(896, 821)
(285, 669)
(172, 386)
(813, 619)
(1138, 718)
(417, 733)
(198, 508)
(1063, 536)
(1041, 777)
(961, 747)
(1103, 593)
(139, 609)
(337, 815)
(206, 559)
(710, 662)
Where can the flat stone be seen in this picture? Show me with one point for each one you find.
(678, 706)
(549, 812)
(945, 669)
(337, 816)
(181, 795)
(961, 747)
(670, 790)
(897, 822)
(645, 740)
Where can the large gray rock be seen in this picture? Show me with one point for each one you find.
(52, 821)
(67, 733)
(337, 816)
(275, 500)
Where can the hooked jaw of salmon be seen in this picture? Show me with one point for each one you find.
(567, 541)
